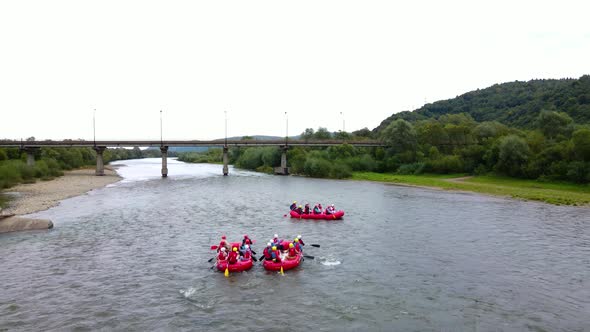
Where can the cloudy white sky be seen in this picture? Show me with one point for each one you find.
(60, 60)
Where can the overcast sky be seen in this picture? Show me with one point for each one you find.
(60, 60)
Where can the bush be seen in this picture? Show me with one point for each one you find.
(340, 171)
(10, 173)
(265, 169)
(318, 168)
(414, 168)
(446, 164)
(578, 171)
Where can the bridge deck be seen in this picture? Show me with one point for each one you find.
(215, 143)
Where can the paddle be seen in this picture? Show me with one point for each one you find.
(261, 257)
(310, 257)
(315, 245)
(211, 260)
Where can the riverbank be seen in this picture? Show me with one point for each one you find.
(42, 195)
(556, 193)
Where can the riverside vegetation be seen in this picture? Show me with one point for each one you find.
(523, 139)
(51, 162)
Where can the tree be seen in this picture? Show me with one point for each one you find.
(322, 133)
(307, 134)
(581, 140)
(513, 155)
(553, 123)
(400, 135)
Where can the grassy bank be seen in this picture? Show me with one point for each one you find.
(557, 193)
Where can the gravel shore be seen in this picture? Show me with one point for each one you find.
(43, 195)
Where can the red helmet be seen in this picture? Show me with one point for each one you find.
(223, 237)
(246, 236)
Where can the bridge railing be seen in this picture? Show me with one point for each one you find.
(212, 143)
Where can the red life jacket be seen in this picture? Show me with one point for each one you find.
(292, 252)
(277, 255)
(221, 256)
(247, 254)
(266, 253)
(233, 257)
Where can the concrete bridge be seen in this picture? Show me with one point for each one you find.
(99, 146)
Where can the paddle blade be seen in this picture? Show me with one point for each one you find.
(282, 273)
(315, 245)
(226, 273)
(211, 260)
(213, 247)
(310, 257)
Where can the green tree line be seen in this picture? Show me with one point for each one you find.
(555, 148)
(51, 162)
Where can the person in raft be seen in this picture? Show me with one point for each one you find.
(246, 240)
(222, 255)
(300, 239)
(293, 206)
(277, 242)
(233, 256)
(317, 209)
(306, 210)
(267, 252)
(330, 209)
(247, 254)
(223, 244)
(299, 210)
(297, 245)
(276, 255)
(292, 252)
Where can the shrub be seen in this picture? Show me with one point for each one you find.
(340, 171)
(414, 168)
(315, 167)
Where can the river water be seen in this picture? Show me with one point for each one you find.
(133, 257)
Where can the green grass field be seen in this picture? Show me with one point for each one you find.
(557, 193)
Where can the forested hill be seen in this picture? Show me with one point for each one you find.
(515, 104)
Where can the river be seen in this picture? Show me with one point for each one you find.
(133, 257)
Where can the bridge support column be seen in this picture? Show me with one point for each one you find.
(164, 150)
(30, 155)
(99, 160)
(283, 170)
(225, 161)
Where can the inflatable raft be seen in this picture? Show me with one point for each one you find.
(334, 216)
(286, 263)
(239, 266)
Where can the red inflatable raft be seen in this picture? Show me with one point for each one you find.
(239, 266)
(286, 263)
(334, 216)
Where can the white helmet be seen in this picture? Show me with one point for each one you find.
(299, 236)
(222, 248)
(269, 244)
(247, 246)
(276, 235)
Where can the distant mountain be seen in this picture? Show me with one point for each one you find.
(516, 104)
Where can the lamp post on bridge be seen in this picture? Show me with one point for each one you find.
(164, 150)
(94, 127)
(286, 129)
(342, 114)
(225, 157)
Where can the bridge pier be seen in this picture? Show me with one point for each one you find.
(164, 150)
(30, 155)
(225, 161)
(283, 170)
(99, 160)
